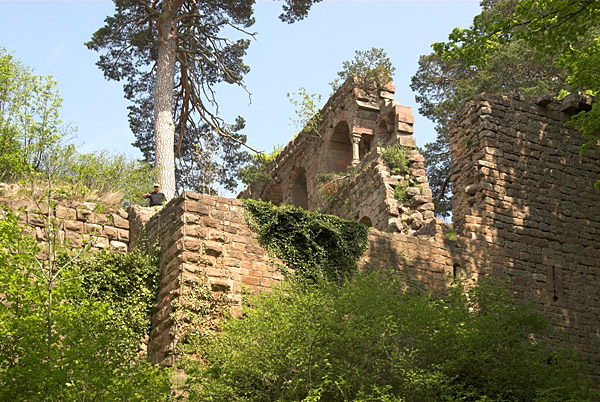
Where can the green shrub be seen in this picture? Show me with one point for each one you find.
(376, 339)
(398, 158)
(400, 191)
(312, 244)
(68, 334)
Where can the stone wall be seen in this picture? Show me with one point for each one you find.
(202, 236)
(524, 209)
(347, 146)
(79, 224)
(522, 189)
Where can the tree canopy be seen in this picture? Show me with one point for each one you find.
(29, 118)
(171, 53)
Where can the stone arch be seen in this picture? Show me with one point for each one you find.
(339, 148)
(299, 188)
(273, 193)
(365, 220)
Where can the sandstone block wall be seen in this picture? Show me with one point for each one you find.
(524, 209)
(202, 236)
(79, 224)
(522, 188)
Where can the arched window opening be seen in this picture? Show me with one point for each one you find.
(366, 221)
(339, 149)
(273, 193)
(299, 188)
(364, 147)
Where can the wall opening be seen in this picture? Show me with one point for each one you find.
(365, 220)
(384, 130)
(339, 149)
(299, 188)
(273, 193)
(364, 147)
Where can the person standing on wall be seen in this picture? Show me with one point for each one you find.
(156, 197)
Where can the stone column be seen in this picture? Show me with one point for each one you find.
(355, 150)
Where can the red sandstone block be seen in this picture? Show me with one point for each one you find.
(110, 232)
(197, 207)
(123, 235)
(255, 249)
(251, 280)
(191, 244)
(216, 273)
(212, 248)
(210, 222)
(256, 273)
(217, 235)
(231, 229)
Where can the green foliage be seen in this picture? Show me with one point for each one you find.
(567, 31)
(314, 245)
(400, 190)
(198, 313)
(398, 158)
(452, 235)
(61, 339)
(255, 171)
(32, 148)
(128, 282)
(101, 174)
(308, 115)
(334, 184)
(372, 71)
(29, 122)
(375, 338)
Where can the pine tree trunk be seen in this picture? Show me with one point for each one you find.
(164, 126)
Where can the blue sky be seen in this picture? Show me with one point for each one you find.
(49, 35)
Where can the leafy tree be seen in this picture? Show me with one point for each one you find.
(568, 31)
(377, 338)
(308, 115)
(101, 176)
(58, 340)
(371, 69)
(443, 83)
(255, 170)
(29, 122)
(172, 53)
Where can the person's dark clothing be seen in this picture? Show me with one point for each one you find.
(157, 199)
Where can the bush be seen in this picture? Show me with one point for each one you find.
(377, 339)
(66, 335)
(312, 244)
(397, 158)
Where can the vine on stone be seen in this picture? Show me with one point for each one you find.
(313, 245)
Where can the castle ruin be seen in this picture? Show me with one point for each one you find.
(524, 209)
